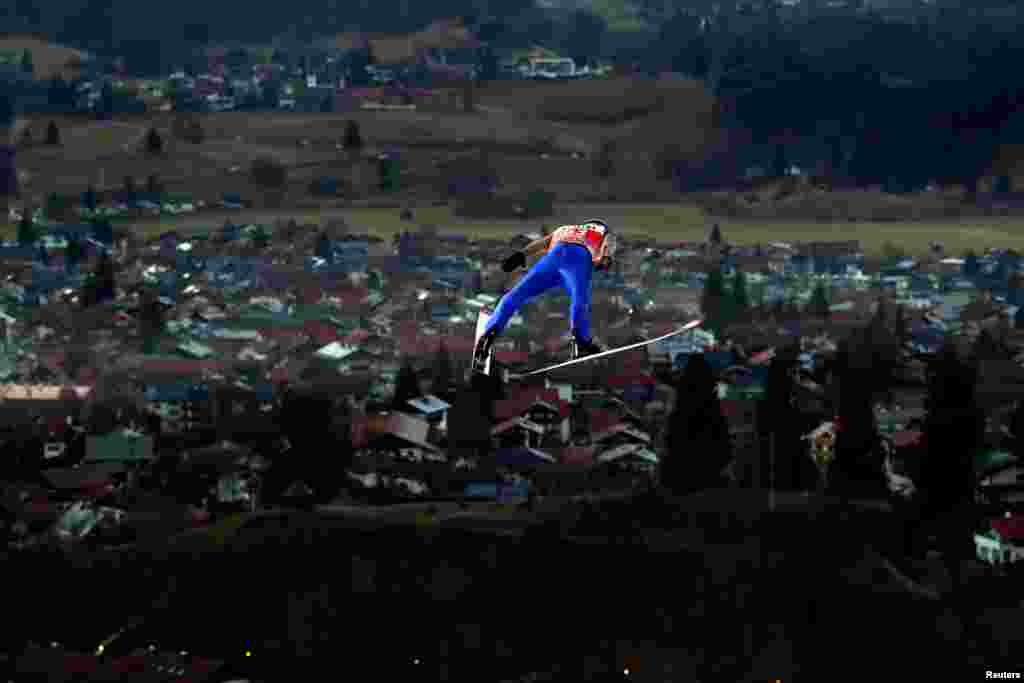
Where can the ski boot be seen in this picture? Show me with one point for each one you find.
(581, 348)
(483, 354)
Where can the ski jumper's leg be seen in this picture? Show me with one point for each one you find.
(575, 271)
(542, 277)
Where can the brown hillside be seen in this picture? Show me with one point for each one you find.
(643, 116)
(442, 33)
(49, 59)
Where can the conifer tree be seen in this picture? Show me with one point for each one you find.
(697, 442)
(27, 233)
(818, 305)
(442, 380)
(407, 387)
(740, 294)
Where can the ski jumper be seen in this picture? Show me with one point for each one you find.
(572, 253)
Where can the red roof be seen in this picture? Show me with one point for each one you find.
(523, 398)
(80, 663)
(360, 431)
(87, 375)
(577, 455)
(200, 667)
(357, 337)
(1010, 528)
(731, 407)
(906, 438)
(129, 664)
(282, 332)
(510, 408)
(309, 295)
(633, 378)
(601, 420)
(553, 344)
(280, 374)
(321, 332)
(349, 296)
(418, 345)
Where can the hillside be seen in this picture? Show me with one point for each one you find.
(49, 58)
(441, 33)
(641, 116)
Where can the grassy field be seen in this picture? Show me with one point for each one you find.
(668, 222)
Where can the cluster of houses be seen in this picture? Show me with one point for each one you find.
(248, 311)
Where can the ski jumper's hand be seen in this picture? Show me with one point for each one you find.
(516, 260)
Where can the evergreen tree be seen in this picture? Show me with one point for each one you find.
(324, 249)
(154, 143)
(740, 295)
(697, 442)
(901, 326)
(27, 63)
(954, 431)
(89, 200)
(442, 380)
(52, 134)
(27, 232)
(818, 305)
(103, 231)
(151, 319)
(260, 238)
(857, 469)
(105, 106)
(374, 281)
(407, 387)
(353, 139)
(713, 301)
(72, 252)
(782, 453)
(60, 95)
(321, 446)
(106, 278)
(971, 266)
(715, 237)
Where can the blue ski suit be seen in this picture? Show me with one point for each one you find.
(567, 265)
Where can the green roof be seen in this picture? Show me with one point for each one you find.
(993, 458)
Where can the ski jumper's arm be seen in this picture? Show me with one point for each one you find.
(530, 251)
(537, 247)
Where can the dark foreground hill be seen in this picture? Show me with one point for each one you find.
(719, 587)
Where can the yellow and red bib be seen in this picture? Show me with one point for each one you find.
(589, 235)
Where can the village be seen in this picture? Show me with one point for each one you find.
(239, 301)
(182, 365)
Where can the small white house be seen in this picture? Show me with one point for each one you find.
(1003, 543)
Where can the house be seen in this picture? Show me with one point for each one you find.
(399, 433)
(1003, 543)
(518, 431)
(619, 434)
(630, 456)
(123, 446)
(541, 407)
